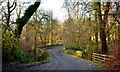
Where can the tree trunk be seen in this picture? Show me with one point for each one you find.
(96, 28)
(103, 26)
(22, 21)
(96, 40)
(8, 16)
(9, 11)
(103, 39)
(117, 19)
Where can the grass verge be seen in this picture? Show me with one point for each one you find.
(36, 62)
(91, 62)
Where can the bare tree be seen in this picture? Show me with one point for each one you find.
(9, 11)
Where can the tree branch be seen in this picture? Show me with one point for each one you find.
(14, 3)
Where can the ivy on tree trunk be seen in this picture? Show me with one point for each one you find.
(24, 19)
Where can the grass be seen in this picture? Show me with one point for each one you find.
(91, 62)
(14, 64)
(36, 62)
(40, 62)
(95, 63)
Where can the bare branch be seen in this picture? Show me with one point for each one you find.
(15, 3)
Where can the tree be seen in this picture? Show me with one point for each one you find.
(102, 22)
(23, 20)
(10, 9)
(12, 51)
(96, 27)
(7, 12)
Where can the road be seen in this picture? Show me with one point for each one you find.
(59, 61)
(67, 62)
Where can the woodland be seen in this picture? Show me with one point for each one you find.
(91, 27)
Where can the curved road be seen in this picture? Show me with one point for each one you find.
(66, 62)
(59, 61)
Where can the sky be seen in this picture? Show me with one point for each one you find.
(56, 6)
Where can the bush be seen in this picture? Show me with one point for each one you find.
(43, 56)
(13, 55)
(11, 51)
(73, 48)
(47, 46)
(39, 55)
(20, 56)
(7, 55)
(112, 63)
